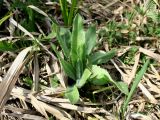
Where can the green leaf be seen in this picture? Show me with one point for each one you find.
(135, 85)
(72, 94)
(100, 76)
(79, 69)
(54, 82)
(51, 35)
(5, 18)
(67, 67)
(90, 39)
(72, 11)
(123, 87)
(77, 41)
(86, 74)
(6, 46)
(28, 81)
(63, 41)
(39, 11)
(102, 57)
(64, 9)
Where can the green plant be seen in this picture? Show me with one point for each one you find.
(79, 62)
(125, 33)
(117, 33)
(134, 86)
(68, 12)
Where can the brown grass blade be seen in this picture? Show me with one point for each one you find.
(49, 74)
(31, 117)
(147, 94)
(150, 54)
(60, 75)
(123, 51)
(53, 110)
(152, 87)
(134, 69)
(51, 99)
(36, 73)
(22, 93)
(37, 104)
(14, 116)
(12, 75)
(56, 112)
(155, 71)
(82, 109)
(86, 109)
(124, 76)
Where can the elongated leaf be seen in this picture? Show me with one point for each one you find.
(90, 39)
(135, 84)
(83, 79)
(67, 67)
(5, 18)
(102, 57)
(72, 94)
(38, 10)
(77, 41)
(79, 69)
(156, 1)
(64, 9)
(72, 11)
(12, 75)
(15, 23)
(39, 107)
(63, 41)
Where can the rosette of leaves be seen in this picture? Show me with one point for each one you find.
(80, 62)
